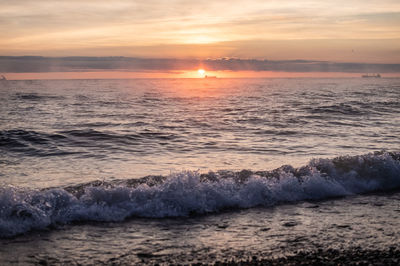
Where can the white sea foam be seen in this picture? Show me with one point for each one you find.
(187, 193)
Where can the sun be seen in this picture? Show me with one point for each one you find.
(201, 72)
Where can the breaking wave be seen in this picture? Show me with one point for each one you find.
(186, 193)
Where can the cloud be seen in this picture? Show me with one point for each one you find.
(33, 64)
(44, 28)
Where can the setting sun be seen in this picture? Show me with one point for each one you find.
(201, 72)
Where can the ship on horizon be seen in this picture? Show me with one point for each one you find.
(371, 76)
(210, 77)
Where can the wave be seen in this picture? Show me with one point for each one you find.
(186, 193)
(35, 143)
(341, 108)
(32, 143)
(37, 97)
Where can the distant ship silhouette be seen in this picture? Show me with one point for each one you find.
(371, 76)
(210, 77)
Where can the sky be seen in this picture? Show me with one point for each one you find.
(365, 31)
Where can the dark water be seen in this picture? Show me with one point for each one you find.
(76, 151)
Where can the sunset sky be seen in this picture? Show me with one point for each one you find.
(365, 31)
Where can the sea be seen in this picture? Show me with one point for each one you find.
(181, 171)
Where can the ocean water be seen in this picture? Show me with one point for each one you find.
(186, 170)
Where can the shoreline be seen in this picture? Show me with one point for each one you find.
(354, 256)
